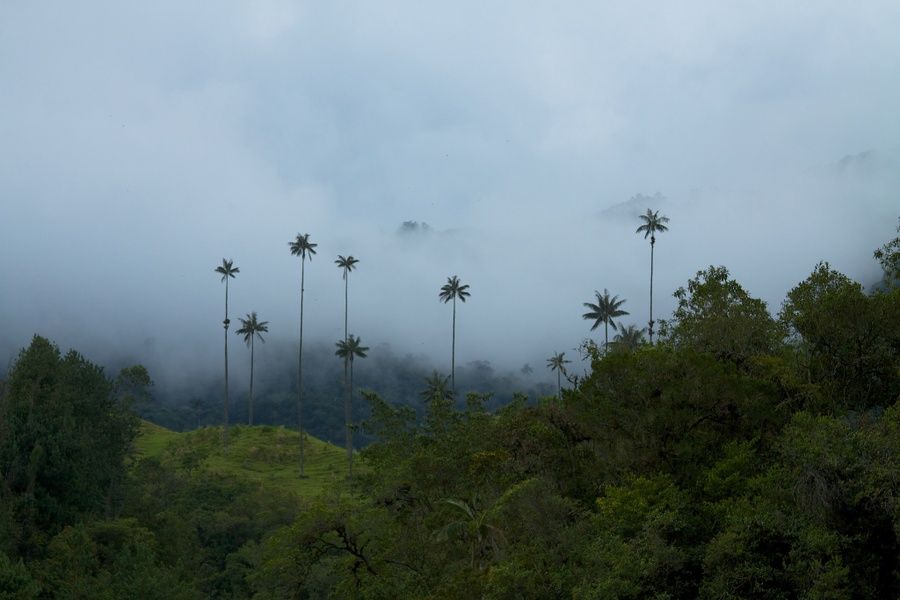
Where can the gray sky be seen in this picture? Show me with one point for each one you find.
(139, 144)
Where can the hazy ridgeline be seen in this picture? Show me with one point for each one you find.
(402, 378)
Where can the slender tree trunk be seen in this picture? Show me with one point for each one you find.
(606, 337)
(558, 385)
(348, 414)
(300, 366)
(453, 352)
(225, 425)
(348, 436)
(652, 245)
(346, 298)
(251, 380)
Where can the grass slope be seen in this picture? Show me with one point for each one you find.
(263, 453)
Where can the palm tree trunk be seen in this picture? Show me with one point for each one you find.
(650, 329)
(300, 365)
(346, 303)
(250, 408)
(225, 424)
(558, 385)
(606, 337)
(347, 413)
(453, 352)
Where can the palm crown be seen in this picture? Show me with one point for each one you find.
(630, 338)
(302, 247)
(606, 309)
(227, 269)
(558, 362)
(252, 326)
(436, 387)
(351, 347)
(452, 289)
(653, 222)
(346, 263)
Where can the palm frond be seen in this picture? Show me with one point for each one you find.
(302, 247)
(227, 269)
(452, 289)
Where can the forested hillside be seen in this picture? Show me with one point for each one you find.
(743, 454)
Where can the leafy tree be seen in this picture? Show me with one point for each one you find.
(348, 349)
(846, 340)
(227, 270)
(605, 311)
(252, 328)
(716, 315)
(450, 291)
(558, 363)
(303, 248)
(16, 582)
(66, 436)
(653, 222)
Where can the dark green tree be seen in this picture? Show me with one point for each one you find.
(715, 314)
(605, 311)
(653, 222)
(227, 270)
(451, 291)
(252, 328)
(303, 248)
(66, 434)
(348, 349)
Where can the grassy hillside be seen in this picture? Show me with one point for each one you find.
(261, 453)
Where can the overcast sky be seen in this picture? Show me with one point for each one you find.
(140, 143)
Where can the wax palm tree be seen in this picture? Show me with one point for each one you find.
(605, 311)
(347, 263)
(558, 363)
(436, 388)
(451, 291)
(348, 349)
(303, 248)
(653, 222)
(227, 270)
(628, 339)
(252, 328)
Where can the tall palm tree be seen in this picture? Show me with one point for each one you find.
(227, 270)
(347, 263)
(451, 291)
(348, 349)
(653, 222)
(252, 328)
(628, 339)
(558, 363)
(303, 248)
(605, 311)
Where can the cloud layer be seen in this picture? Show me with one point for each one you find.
(140, 145)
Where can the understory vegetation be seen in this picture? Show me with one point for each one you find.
(743, 455)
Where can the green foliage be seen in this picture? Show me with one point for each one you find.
(16, 582)
(65, 439)
(107, 559)
(889, 258)
(848, 342)
(716, 315)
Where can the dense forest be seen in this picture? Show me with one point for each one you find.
(741, 454)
